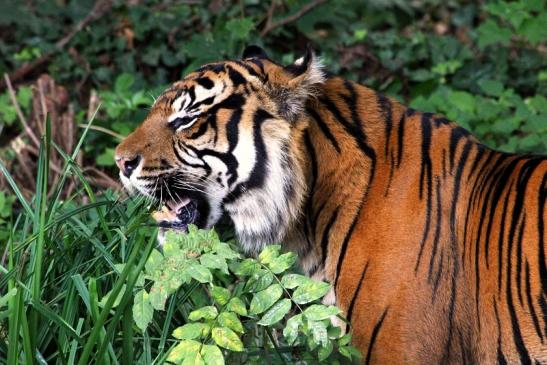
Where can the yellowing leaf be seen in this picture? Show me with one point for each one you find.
(230, 320)
(208, 312)
(225, 337)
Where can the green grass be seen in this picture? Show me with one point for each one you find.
(60, 261)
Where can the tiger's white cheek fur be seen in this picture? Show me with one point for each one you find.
(263, 215)
(216, 192)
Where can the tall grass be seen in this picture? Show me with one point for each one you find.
(60, 261)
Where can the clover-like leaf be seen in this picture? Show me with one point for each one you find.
(220, 294)
(212, 261)
(212, 355)
(208, 312)
(276, 312)
(265, 299)
(310, 291)
(236, 305)
(230, 320)
(192, 331)
(200, 273)
(318, 312)
(291, 328)
(142, 310)
(291, 281)
(183, 350)
(282, 263)
(225, 337)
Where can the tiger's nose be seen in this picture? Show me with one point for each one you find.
(128, 164)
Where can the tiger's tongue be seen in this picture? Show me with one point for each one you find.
(176, 208)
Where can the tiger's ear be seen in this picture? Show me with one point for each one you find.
(307, 70)
(302, 80)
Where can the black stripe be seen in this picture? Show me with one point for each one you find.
(401, 135)
(201, 131)
(501, 357)
(375, 332)
(324, 128)
(386, 110)
(356, 131)
(425, 168)
(310, 230)
(258, 174)
(205, 82)
(326, 235)
(236, 77)
(438, 225)
(356, 293)
(529, 301)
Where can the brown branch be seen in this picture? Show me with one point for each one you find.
(22, 119)
(291, 18)
(98, 10)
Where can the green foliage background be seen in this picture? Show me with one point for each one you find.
(482, 64)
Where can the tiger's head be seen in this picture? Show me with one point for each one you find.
(227, 139)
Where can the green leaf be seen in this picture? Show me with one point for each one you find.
(269, 253)
(260, 280)
(220, 294)
(158, 295)
(319, 332)
(212, 261)
(106, 158)
(236, 305)
(200, 273)
(225, 337)
(183, 350)
(349, 352)
(212, 355)
(142, 310)
(318, 312)
(154, 262)
(265, 299)
(282, 263)
(462, 100)
(491, 87)
(325, 351)
(534, 28)
(490, 33)
(208, 312)
(291, 281)
(310, 291)
(230, 320)
(291, 329)
(247, 267)
(191, 331)
(124, 83)
(240, 28)
(276, 313)
(118, 298)
(193, 358)
(344, 340)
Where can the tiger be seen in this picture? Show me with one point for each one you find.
(433, 243)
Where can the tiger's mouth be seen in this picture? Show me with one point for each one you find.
(181, 210)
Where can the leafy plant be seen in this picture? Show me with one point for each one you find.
(243, 301)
